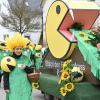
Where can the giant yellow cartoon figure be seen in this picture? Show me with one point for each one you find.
(60, 45)
(62, 14)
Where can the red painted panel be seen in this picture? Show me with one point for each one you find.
(86, 17)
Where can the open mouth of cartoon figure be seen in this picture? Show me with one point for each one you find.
(64, 27)
(11, 67)
(59, 20)
(76, 16)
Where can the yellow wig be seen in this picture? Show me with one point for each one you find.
(16, 41)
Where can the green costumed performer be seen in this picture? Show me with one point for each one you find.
(3, 53)
(38, 56)
(1, 56)
(16, 83)
(29, 51)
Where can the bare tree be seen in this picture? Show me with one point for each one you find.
(21, 18)
(92, 0)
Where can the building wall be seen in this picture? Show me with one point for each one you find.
(45, 11)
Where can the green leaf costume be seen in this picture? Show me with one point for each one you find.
(29, 52)
(38, 59)
(3, 54)
(20, 87)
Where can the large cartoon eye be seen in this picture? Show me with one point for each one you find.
(8, 59)
(58, 9)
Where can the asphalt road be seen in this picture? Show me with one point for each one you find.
(36, 95)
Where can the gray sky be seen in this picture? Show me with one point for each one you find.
(34, 3)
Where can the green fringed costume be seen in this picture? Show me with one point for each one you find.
(30, 54)
(19, 84)
(20, 87)
(38, 59)
(16, 81)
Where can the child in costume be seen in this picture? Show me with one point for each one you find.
(38, 56)
(3, 53)
(1, 73)
(16, 83)
(29, 50)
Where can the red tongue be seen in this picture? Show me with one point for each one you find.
(68, 35)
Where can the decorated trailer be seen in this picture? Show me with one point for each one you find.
(71, 67)
(69, 35)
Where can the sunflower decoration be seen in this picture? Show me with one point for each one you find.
(63, 91)
(35, 85)
(94, 38)
(64, 76)
(64, 82)
(81, 34)
(66, 66)
(69, 87)
(86, 39)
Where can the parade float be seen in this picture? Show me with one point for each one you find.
(72, 65)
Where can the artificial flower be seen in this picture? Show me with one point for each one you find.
(98, 46)
(63, 92)
(86, 39)
(69, 87)
(64, 76)
(81, 33)
(35, 85)
(65, 65)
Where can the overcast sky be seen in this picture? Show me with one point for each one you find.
(34, 3)
(2, 7)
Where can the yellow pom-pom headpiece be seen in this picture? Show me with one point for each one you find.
(15, 41)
